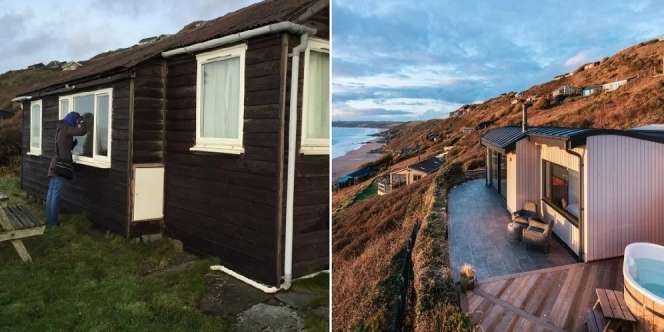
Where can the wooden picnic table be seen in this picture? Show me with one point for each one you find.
(610, 312)
(16, 223)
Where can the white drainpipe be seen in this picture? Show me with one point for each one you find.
(304, 33)
(292, 147)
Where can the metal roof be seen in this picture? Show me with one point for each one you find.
(504, 138)
(428, 166)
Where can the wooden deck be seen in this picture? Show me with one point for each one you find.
(552, 299)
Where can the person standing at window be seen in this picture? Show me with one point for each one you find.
(61, 167)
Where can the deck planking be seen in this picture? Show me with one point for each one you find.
(552, 299)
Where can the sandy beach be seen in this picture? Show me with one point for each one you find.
(354, 159)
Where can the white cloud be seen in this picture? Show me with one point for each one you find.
(577, 60)
(391, 108)
(409, 77)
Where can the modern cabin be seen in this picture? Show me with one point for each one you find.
(217, 136)
(601, 188)
(409, 175)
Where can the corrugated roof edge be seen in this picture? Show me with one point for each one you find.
(299, 13)
(573, 137)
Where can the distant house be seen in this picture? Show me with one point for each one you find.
(73, 65)
(591, 89)
(600, 188)
(617, 84)
(566, 90)
(408, 175)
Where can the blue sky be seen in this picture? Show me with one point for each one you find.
(40, 31)
(410, 60)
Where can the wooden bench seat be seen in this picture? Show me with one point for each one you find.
(610, 312)
(16, 223)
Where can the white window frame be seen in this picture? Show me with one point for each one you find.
(319, 146)
(219, 145)
(36, 151)
(96, 160)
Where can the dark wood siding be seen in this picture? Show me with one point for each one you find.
(149, 112)
(312, 185)
(223, 204)
(100, 193)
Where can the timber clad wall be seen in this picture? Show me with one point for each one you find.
(312, 185)
(624, 190)
(102, 193)
(224, 204)
(149, 112)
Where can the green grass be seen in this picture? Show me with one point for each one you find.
(83, 279)
(370, 191)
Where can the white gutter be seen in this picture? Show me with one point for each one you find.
(244, 35)
(21, 98)
(292, 147)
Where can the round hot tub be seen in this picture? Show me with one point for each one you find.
(643, 273)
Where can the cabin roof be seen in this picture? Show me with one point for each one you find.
(504, 139)
(256, 15)
(428, 166)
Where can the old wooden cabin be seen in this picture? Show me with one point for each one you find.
(194, 135)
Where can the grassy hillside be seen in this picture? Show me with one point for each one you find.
(369, 236)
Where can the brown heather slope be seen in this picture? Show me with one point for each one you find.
(367, 236)
(370, 245)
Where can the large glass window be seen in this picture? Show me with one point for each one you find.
(35, 127)
(95, 107)
(561, 187)
(316, 98)
(220, 100)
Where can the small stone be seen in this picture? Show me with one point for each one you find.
(177, 245)
(264, 317)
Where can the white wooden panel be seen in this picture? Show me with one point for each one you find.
(148, 193)
(624, 194)
(528, 170)
(560, 156)
(512, 179)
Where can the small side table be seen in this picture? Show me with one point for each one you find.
(514, 230)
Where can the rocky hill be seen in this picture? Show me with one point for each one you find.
(371, 237)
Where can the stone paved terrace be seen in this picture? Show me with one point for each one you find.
(478, 235)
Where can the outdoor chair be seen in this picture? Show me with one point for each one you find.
(523, 216)
(537, 233)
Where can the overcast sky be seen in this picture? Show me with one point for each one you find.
(406, 60)
(40, 31)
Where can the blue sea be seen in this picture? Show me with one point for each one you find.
(348, 139)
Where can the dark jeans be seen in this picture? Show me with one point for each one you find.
(55, 185)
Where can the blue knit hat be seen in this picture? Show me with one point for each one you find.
(71, 118)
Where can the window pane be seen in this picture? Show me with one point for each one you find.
(220, 110)
(35, 126)
(557, 186)
(102, 125)
(64, 108)
(573, 181)
(84, 105)
(318, 90)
